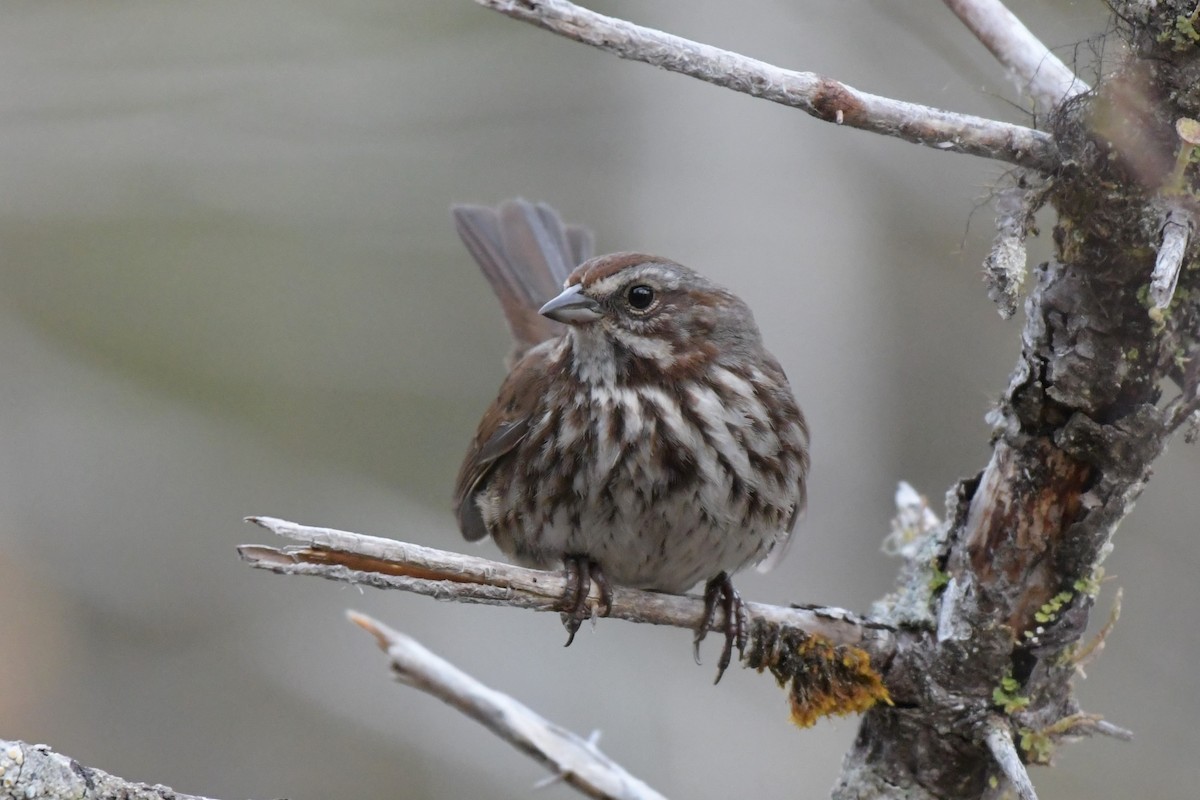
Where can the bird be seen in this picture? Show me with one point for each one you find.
(644, 437)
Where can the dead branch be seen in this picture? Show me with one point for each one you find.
(1176, 233)
(1000, 741)
(34, 770)
(818, 96)
(1038, 72)
(573, 760)
(390, 564)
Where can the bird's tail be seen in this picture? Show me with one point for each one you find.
(526, 252)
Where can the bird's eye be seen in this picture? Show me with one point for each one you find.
(640, 297)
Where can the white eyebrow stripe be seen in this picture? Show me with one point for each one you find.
(648, 271)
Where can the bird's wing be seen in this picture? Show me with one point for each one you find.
(800, 449)
(505, 424)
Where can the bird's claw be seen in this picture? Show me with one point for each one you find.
(720, 591)
(581, 572)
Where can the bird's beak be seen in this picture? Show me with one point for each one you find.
(572, 307)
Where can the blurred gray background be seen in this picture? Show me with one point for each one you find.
(230, 286)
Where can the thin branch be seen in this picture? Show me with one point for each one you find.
(1039, 73)
(1106, 728)
(1004, 750)
(34, 770)
(576, 761)
(1183, 409)
(1083, 724)
(821, 97)
(1091, 651)
(1176, 233)
(390, 564)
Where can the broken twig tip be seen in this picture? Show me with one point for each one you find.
(270, 523)
(1176, 233)
(372, 626)
(1106, 728)
(262, 556)
(1004, 750)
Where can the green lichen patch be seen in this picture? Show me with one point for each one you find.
(1007, 695)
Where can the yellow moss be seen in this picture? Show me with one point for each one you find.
(822, 679)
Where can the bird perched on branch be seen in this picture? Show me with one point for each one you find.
(644, 437)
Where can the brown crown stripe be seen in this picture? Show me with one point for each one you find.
(601, 267)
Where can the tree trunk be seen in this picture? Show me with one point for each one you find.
(1020, 554)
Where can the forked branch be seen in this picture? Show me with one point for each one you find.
(573, 760)
(824, 98)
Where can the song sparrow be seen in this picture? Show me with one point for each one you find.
(643, 436)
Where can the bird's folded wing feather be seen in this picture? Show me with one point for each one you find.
(503, 427)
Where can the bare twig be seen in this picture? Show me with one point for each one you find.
(1004, 750)
(576, 761)
(821, 97)
(390, 564)
(1083, 724)
(1176, 232)
(1090, 651)
(1183, 409)
(1039, 73)
(1106, 728)
(34, 770)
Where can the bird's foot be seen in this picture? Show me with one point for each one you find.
(581, 572)
(720, 591)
